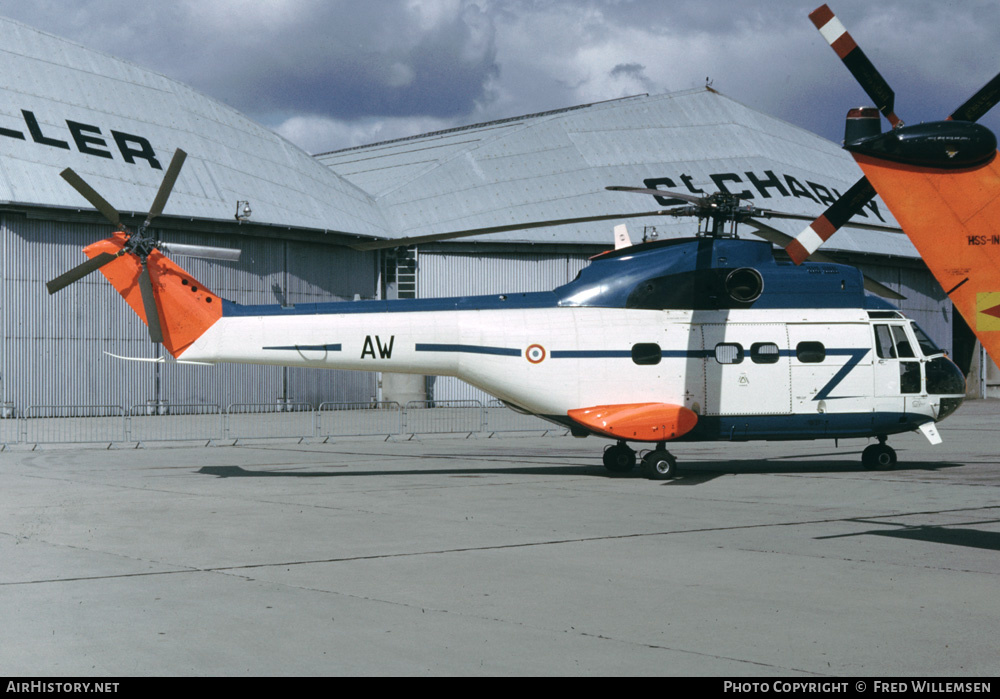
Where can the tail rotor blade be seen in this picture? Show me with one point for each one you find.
(149, 304)
(167, 186)
(983, 101)
(204, 251)
(839, 213)
(857, 62)
(79, 272)
(91, 195)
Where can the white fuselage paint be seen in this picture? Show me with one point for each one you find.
(551, 360)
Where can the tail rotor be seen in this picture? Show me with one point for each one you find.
(140, 243)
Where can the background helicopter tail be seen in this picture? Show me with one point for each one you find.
(953, 219)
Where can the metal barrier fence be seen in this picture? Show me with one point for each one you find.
(201, 422)
(68, 424)
(10, 426)
(497, 417)
(359, 419)
(74, 424)
(443, 417)
(270, 421)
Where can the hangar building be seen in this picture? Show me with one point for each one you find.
(117, 125)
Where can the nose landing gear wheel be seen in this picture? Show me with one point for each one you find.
(659, 465)
(879, 456)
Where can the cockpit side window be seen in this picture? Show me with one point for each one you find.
(883, 342)
(903, 347)
(927, 345)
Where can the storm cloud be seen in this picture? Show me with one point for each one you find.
(330, 74)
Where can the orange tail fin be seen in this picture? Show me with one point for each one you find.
(953, 219)
(187, 309)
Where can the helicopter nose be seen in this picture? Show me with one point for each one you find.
(946, 380)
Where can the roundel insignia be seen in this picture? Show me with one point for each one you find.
(535, 354)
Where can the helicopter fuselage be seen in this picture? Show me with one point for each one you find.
(753, 348)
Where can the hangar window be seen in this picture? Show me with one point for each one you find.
(646, 353)
(729, 353)
(810, 352)
(764, 353)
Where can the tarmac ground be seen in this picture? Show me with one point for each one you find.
(503, 556)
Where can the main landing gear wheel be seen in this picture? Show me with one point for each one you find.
(879, 456)
(619, 458)
(659, 464)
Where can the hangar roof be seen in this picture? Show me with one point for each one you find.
(117, 125)
(556, 165)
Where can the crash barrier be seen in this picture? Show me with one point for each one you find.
(499, 418)
(73, 424)
(240, 422)
(443, 417)
(359, 419)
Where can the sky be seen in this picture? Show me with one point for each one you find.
(330, 74)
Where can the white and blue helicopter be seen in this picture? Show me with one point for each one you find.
(702, 339)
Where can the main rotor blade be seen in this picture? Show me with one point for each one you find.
(753, 212)
(776, 237)
(204, 251)
(838, 213)
(91, 195)
(149, 304)
(79, 272)
(856, 61)
(983, 101)
(658, 193)
(766, 213)
(167, 186)
(434, 237)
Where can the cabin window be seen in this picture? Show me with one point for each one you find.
(729, 353)
(810, 352)
(764, 353)
(646, 353)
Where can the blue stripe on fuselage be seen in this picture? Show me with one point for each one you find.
(468, 349)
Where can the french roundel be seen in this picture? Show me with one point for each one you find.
(535, 354)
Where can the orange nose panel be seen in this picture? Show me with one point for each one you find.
(641, 422)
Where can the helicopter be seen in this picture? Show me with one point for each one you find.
(709, 338)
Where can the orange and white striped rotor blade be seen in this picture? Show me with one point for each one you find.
(840, 212)
(856, 61)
